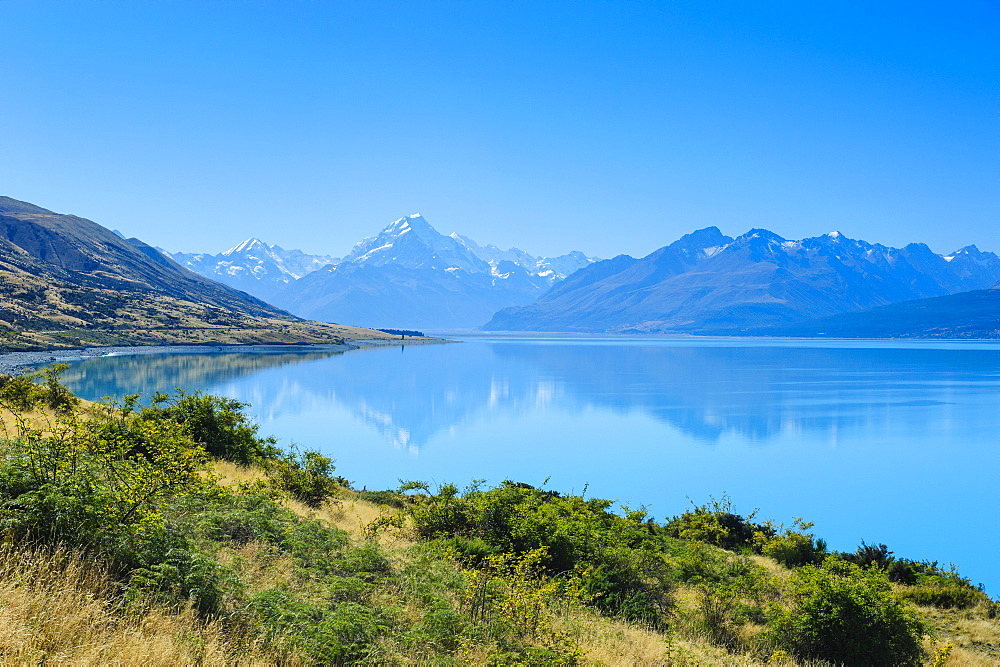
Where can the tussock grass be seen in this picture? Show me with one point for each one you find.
(60, 607)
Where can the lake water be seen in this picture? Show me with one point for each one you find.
(893, 443)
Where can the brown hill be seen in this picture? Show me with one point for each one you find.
(66, 282)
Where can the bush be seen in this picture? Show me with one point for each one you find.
(717, 524)
(25, 393)
(217, 423)
(794, 547)
(387, 498)
(622, 565)
(945, 597)
(846, 614)
(308, 477)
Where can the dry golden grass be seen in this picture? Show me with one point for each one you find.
(346, 512)
(973, 636)
(58, 608)
(231, 474)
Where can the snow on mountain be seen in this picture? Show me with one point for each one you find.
(411, 276)
(708, 283)
(552, 269)
(254, 266)
(407, 276)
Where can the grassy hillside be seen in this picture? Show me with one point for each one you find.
(172, 533)
(68, 282)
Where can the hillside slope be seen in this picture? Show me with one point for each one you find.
(974, 314)
(67, 281)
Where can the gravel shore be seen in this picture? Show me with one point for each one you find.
(15, 363)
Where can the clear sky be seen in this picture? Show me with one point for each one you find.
(608, 127)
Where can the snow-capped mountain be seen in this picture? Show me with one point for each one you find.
(412, 276)
(552, 269)
(707, 282)
(254, 266)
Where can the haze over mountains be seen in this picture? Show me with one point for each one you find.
(709, 283)
(409, 275)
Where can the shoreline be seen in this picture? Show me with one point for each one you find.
(16, 363)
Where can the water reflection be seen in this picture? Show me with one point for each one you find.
(123, 374)
(891, 443)
(751, 391)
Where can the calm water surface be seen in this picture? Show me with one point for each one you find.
(885, 442)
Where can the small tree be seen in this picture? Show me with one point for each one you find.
(847, 614)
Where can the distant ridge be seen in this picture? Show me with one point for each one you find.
(67, 282)
(966, 315)
(709, 283)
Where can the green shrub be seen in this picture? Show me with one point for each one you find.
(622, 565)
(218, 423)
(793, 547)
(387, 498)
(717, 524)
(19, 393)
(944, 597)
(308, 477)
(846, 614)
(343, 634)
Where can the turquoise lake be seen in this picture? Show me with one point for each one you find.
(886, 442)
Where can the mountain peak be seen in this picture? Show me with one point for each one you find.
(410, 223)
(251, 243)
(760, 233)
(709, 237)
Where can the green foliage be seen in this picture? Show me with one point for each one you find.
(19, 393)
(846, 614)
(308, 477)
(98, 482)
(509, 598)
(218, 423)
(53, 393)
(717, 524)
(792, 547)
(342, 634)
(945, 597)
(44, 387)
(623, 570)
(387, 498)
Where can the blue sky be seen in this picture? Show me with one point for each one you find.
(609, 127)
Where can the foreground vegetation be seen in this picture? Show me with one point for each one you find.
(167, 531)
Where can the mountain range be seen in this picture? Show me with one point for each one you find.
(709, 283)
(254, 266)
(409, 275)
(67, 282)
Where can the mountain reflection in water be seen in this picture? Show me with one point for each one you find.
(887, 442)
(409, 395)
